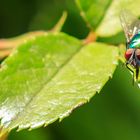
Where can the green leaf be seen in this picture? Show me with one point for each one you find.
(111, 115)
(92, 12)
(107, 14)
(122, 50)
(110, 24)
(47, 77)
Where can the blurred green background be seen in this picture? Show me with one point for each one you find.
(114, 114)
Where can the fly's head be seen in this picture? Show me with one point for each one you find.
(132, 57)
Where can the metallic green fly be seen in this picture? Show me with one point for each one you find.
(131, 27)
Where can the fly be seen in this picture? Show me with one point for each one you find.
(131, 27)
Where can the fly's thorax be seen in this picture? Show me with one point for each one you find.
(135, 42)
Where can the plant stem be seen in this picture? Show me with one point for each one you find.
(6, 45)
(4, 137)
(3, 134)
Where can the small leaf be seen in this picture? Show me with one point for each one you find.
(105, 14)
(92, 12)
(110, 24)
(47, 77)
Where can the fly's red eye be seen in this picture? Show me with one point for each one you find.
(138, 53)
(128, 54)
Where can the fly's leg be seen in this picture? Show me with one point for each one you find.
(131, 71)
(123, 64)
(137, 72)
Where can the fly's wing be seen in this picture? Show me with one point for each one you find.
(130, 24)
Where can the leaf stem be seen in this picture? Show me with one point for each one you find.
(60, 23)
(91, 37)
